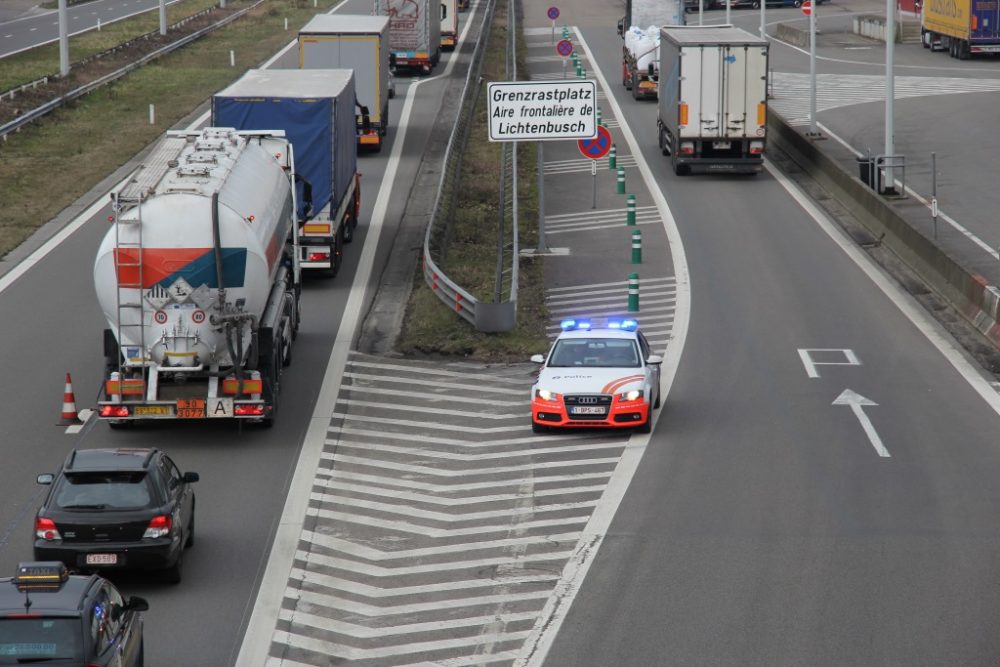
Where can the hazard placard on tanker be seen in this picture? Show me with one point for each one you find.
(529, 111)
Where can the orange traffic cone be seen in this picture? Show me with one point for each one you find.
(69, 415)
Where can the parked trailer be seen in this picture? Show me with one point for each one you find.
(713, 99)
(316, 110)
(963, 27)
(640, 29)
(414, 33)
(357, 42)
(198, 281)
(449, 25)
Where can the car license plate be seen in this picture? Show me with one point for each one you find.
(102, 559)
(151, 410)
(190, 408)
(587, 410)
(721, 144)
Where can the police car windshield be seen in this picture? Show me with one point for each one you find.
(103, 491)
(595, 352)
(40, 640)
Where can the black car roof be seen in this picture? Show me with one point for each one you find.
(107, 460)
(66, 600)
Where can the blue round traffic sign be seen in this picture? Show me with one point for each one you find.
(553, 13)
(564, 48)
(597, 147)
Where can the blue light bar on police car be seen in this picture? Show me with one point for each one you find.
(574, 325)
(623, 325)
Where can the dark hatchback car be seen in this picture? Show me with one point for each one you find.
(117, 508)
(49, 617)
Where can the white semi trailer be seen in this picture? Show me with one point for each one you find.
(199, 280)
(713, 99)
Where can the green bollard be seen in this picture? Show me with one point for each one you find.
(583, 73)
(621, 180)
(613, 158)
(633, 292)
(579, 72)
(599, 117)
(630, 211)
(636, 250)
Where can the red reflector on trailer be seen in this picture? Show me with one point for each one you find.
(316, 228)
(231, 387)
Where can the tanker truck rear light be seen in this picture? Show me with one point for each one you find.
(114, 411)
(317, 228)
(250, 410)
(45, 529)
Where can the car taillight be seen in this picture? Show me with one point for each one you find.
(45, 529)
(159, 526)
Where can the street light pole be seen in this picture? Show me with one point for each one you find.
(63, 40)
(763, 24)
(890, 89)
(812, 69)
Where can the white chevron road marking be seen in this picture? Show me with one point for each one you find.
(461, 456)
(364, 632)
(438, 587)
(462, 489)
(340, 651)
(466, 472)
(372, 553)
(427, 531)
(442, 517)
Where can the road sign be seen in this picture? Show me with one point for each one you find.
(597, 147)
(553, 13)
(564, 48)
(534, 111)
(807, 7)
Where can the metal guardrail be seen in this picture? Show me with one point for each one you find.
(488, 317)
(52, 105)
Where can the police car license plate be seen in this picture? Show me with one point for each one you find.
(587, 410)
(102, 559)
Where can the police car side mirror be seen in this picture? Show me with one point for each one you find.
(654, 360)
(45, 478)
(538, 358)
(190, 477)
(136, 603)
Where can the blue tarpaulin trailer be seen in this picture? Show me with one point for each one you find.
(316, 110)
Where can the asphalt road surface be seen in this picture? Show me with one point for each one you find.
(244, 472)
(768, 524)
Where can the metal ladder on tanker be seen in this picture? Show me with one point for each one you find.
(129, 278)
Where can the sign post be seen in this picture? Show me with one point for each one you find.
(595, 149)
(807, 9)
(553, 13)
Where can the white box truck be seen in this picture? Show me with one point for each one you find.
(713, 99)
(414, 33)
(449, 25)
(360, 43)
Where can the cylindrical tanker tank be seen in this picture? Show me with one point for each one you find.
(198, 278)
(221, 198)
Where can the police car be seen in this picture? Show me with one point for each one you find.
(48, 616)
(597, 374)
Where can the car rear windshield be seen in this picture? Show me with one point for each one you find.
(595, 352)
(31, 640)
(103, 491)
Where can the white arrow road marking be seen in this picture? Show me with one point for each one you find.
(363, 632)
(395, 482)
(857, 403)
(371, 553)
(340, 651)
(443, 517)
(453, 566)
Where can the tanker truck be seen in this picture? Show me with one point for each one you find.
(640, 28)
(316, 110)
(198, 280)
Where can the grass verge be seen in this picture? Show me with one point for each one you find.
(430, 327)
(43, 61)
(51, 163)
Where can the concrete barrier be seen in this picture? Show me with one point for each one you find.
(873, 27)
(792, 35)
(968, 292)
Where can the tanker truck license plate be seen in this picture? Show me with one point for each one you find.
(190, 408)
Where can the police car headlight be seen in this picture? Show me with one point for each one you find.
(633, 395)
(546, 395)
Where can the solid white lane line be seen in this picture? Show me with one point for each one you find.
(537, 646)
(256, 645)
